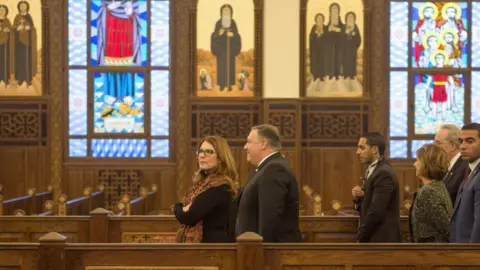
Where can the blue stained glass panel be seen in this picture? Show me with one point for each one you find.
(77, 32)
(119, 148)
(399, 34)
(417, 144)
(77, 147)
(119, 102)
(77, 102)
(439, 28)
(160, 148)
(160, 107)
(398, 104)
(475, 35)
(160, 33)
(475, 97)
(118, 33)
(398, 149)
(439, 99)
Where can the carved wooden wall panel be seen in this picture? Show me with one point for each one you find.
(329, 124)
(120, 180)
(23, 124)
(24, 157)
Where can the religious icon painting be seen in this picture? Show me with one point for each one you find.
(225, 39)
(439, 26)
(439, 99)
(119, 102)
(20, 48)
(119, 33)
(334, 48)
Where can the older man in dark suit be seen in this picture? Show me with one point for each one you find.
(269, 203)
(448, 138)
(465, 224)
(378, 199)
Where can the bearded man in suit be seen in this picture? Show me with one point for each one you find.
(378, 199)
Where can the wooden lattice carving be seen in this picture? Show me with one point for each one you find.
(117, 183)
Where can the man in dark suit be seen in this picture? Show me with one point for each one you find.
(465, 224)
(378, 199)
(448, 138)
(269, 203)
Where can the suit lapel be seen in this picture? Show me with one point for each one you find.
(448, 177)
(375, 171)
(462, 187)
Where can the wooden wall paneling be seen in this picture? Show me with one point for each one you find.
(337, 182)
(379, 59)
(12, 172)
(232, 122)
(120, 180)
(408, 182)
(285, 114)
(330, 132)
(23, 150)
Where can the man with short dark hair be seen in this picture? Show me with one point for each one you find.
(269, 203)
(378, 199)
(465, 224)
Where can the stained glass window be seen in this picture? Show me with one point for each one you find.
(428, 77)
(115, 88)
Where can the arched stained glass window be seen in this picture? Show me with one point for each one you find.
(118, 78)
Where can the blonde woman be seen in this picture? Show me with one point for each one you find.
(205, 210)
(432, 208)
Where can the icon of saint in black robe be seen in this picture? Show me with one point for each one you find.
(226, 44)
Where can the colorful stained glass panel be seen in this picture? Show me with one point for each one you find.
(77, 147)
(439, 99)
(119, 148)
(476, 34)
(77, 32)
(77, 102)
(160, 33)
(119, 102)
(160, 107)
(398, 149)
(160, 148)
(439, 34)
(399, 34)
(475, 97)
(398, 104)
(118, 33)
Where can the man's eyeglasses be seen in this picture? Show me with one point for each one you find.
(206, 152)
(441, 142)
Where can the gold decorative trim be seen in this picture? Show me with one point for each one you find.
(53, 84)
(181, 84)
(148, 237)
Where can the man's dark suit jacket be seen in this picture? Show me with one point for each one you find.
(380, 207)
(269, 203)
(454, 178)
(465, 224)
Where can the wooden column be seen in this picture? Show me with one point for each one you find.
(250, 252)
(52, 252)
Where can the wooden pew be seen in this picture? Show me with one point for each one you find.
(143, 205)
(30, 204)
(249, 253)
(103, 226)
(82, 205)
